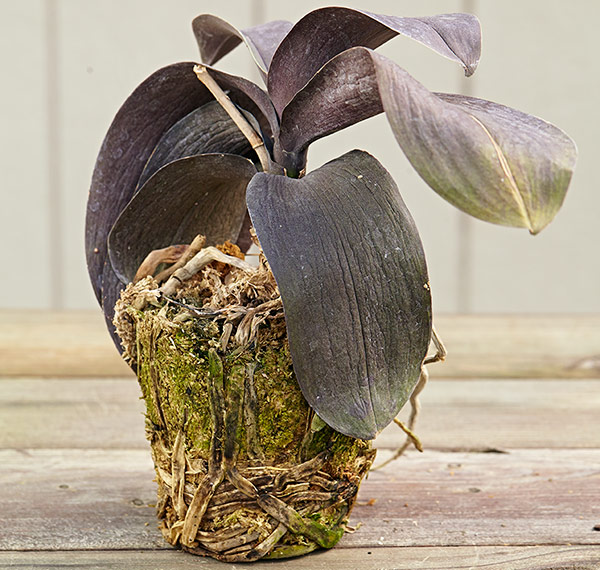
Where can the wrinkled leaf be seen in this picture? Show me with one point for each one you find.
(492, 162)
(351, 270)
(152, 109)
(326, 32)
(203, 194)
(216, 38)
(205, 130)
(159, 102)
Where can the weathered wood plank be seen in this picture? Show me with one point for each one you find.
(76, 344)
(77, 499)
(59, 413)
(470, 414)
(523, 497)
(520, 346)
(57, 343)
(456, 414)
(408, 558)
(100, 499)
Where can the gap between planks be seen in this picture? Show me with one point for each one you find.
(76, 343)
(104, 499)
(408, 558)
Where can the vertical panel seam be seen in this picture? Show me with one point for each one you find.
(256, 17)
(53, 155)
(464, 260)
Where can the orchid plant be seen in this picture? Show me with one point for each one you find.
(196, 150)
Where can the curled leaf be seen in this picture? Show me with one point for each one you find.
(205, 130)
(495, 163)
(351, 270)
(151, 110)
(202, 194)
(326, 32)
(342, 93)
(216, 38)
(158, 103)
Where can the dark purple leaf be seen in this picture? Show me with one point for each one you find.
(326, 32)
(112, 287)
(216, 38)
(202, 194)
(153, 108)
(342, 93)
(157, 104)
(493, 162)
(352, 275)
(250, 98)
(205, 130)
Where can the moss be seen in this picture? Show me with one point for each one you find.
(344, 450)
(283, 410)
(190, 384)
(173, 376)
(292, 550)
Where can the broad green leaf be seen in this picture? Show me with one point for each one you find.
(495, 163)
(351, 270)
(326, 32)
(202, 194)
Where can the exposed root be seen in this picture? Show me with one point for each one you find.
(170, 254)
(197, 244)
(415, 404)
(198, 262)
(241, 472)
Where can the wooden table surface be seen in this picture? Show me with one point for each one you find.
(509, 479)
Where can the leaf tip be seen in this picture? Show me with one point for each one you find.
(471, 68)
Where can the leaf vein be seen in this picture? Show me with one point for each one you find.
(518, 197)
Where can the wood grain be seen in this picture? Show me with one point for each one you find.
(57, 343)
(381, 558)
(59, 413)
(519, 346)
(76, 479)
(471, 414)
(77, 499)
(101, 499)
(523, 497)
(456, 414)
(75, 344)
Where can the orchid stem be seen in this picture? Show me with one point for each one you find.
(254, 139)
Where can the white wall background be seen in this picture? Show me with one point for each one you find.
(67, 65)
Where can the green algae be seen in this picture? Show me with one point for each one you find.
(188, 377)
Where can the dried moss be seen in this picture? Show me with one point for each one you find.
(248, 469)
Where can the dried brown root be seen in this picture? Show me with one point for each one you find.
(255, 140)
(197, 244)
(241, 473)
(169, 254)
(198, 262)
